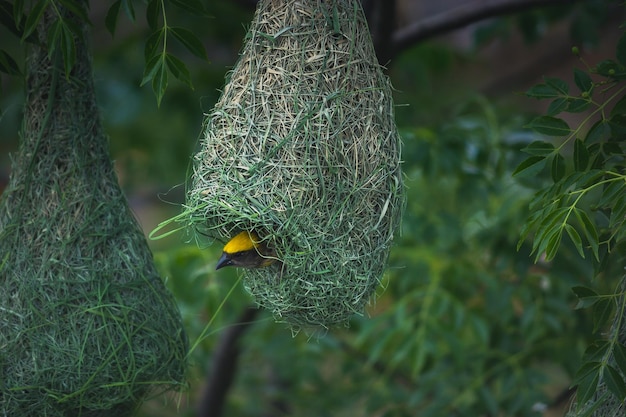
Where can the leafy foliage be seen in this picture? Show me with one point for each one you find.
(467, 318)
(60, 36)
(160, 62)
(593, 183)
(586, 201)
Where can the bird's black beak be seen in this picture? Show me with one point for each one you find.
(223, 261)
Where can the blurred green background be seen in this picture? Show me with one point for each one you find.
(464, 324)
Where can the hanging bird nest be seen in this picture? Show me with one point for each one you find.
(87, 327)
(302, 148)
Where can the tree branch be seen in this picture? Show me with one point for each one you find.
(381, 15)
(462, 16)
(381, 18)
(225, 361)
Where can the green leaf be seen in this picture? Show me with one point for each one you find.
(543, 202)
(589, 229)
(619, 354)
(61, 36)
(596, 352)
(18, 12)
(550, 126)
(68, 49)
(589, 367)
(583, 81)
(550, 224)
(620, 236)
(190, 41)
(129, 9)
(557, 106)
(110, 21)
(621, 49)
(575, 237)
(552, 246)
(193, 6)
(619, 108)
(581, 155)
(614, 382)
(154, 43)
(578, 105)
(152, 14)
(33, 18)
(583, 292)
(601, 313)
(76, 8)
(617, 123)
(159, 83)
(54, 37)
(8, 64)
(549, 232)
(587, 178)
(571, 180)
(152, 66)
(611, 69)
(618, 213)
(530, 167)
(530, 224)
(611, 192)
(542, 91)
(557, 169)
(587, 385)
(539, 148)
(596, 156)
(558, 84)
(586, 297)
(10, 19)
(599, 132)
(178, 69)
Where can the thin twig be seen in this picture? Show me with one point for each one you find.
(462, 16)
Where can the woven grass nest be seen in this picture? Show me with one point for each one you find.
(87, 327)
(302, 148)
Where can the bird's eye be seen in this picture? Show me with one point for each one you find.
(237, 254)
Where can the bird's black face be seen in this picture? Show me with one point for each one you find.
(225, 260)
(244, 259)
(245, 250)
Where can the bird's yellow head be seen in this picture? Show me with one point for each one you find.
(246, 250)
(242, 242)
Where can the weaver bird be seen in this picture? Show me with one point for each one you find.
(246, 250)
